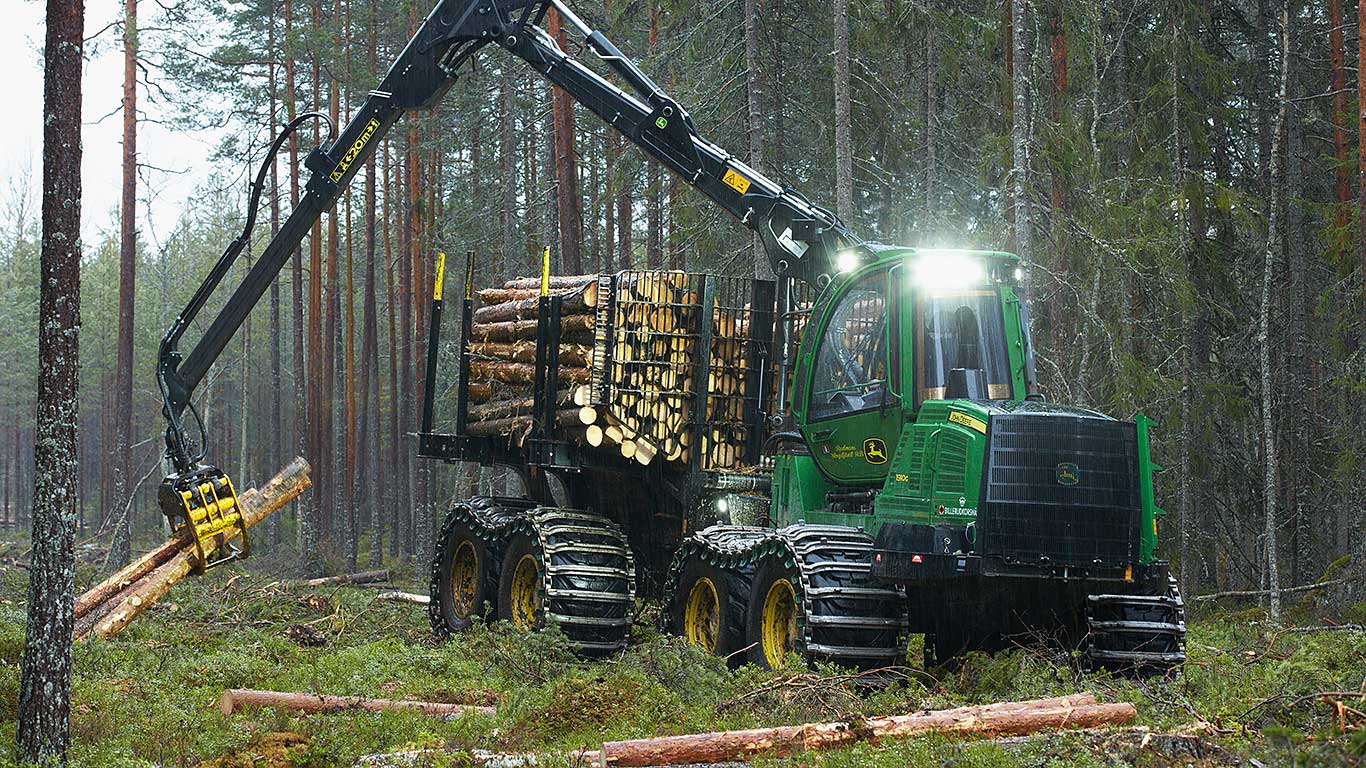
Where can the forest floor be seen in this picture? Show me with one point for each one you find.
(149, 697)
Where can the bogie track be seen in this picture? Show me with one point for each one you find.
(839, 615)
(1141, 634)
(584, 575)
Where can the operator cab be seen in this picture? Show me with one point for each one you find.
(903, 328)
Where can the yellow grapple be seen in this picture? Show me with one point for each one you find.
(205, 502)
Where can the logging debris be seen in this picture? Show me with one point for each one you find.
(234, 699)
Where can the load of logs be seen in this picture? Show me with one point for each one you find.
(110, 606)
(654, 376)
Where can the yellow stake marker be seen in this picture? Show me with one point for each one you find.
(440, 276)
(545, 271)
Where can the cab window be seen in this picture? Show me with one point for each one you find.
(961, 330)
(851, 362)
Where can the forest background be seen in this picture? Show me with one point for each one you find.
(1182, 177)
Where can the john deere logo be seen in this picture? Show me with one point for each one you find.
(1068, 474)
(874, 451)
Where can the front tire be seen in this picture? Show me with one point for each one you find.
(772, 619)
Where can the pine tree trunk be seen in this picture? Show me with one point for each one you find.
(406, 257)
(276, 430)
(754, 108)
(372, 492)
(654, 196)
(931, 209)
(1337, 58)
(1361, 162)
(302, 394)
(844, 135)
(1274, 246)
(507, 169)
(44, 705)
(309, 525)
(328, 491)
(568, 201)
(625, 216)
(1019, 132)
(119, 550)
(399, 478)
(1185, 253)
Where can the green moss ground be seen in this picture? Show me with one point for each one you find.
(149, 696)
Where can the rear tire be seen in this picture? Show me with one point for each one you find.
(463, 574)
(521, 585)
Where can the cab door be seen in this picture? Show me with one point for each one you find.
(851, 404)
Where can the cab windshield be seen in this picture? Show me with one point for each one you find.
(961, 329)
(851, 364)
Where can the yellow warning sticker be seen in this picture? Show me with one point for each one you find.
(968, 421)
(736, 182)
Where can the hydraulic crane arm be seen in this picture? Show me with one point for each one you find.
(802, 240)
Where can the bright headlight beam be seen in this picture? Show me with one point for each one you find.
(940, 270)
(847, 260)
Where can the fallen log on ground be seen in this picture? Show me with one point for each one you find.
(109, 615)
(396, 596)
(1263, 592)
(1016, 718)
(1005, 719)
(234, 699)
(364, 577)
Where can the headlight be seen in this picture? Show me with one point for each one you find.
(847, 260)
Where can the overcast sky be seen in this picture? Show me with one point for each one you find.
(21, 38)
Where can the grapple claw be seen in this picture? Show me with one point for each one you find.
(205, 502)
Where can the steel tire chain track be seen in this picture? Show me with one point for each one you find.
(1144, 662)
(835, 548)
(588, 576)
(487, 517)
(581, 616)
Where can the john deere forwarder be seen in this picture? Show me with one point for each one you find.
(900, 472)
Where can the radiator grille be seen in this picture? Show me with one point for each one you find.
(1062, 490)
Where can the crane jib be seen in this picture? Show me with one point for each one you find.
(801, 239)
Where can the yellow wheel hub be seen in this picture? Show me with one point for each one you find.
(526, 593)
(778, 623)
(702, 615)
(464, 579)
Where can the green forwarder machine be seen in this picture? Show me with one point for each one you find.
(900, 472)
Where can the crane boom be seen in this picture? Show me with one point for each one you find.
(801, 239)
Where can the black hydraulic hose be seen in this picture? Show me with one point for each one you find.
(176, 438)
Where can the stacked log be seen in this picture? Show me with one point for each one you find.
(645, 411)
(502, 365)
